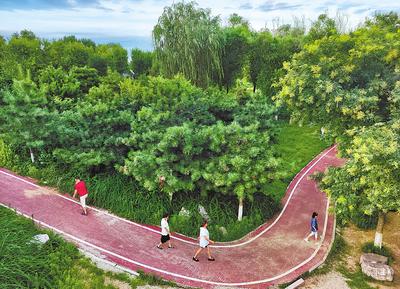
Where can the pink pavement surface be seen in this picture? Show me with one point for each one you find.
(274, 253)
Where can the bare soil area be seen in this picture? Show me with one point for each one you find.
(355, 238)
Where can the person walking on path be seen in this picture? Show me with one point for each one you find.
(314, 227)
(204, 240)
(80, 188)
(165, 232)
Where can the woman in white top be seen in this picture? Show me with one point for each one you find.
(204, 241)
(165, 232)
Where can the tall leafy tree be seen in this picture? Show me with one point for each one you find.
(188, 40)
(141, 61)
(324, 26)
(198, 142)
(68, 52)
(236, 43)
(267, 54)
(56, 83)
(8, 65)
(24, 117)
(26, 50)
(368, 182)
(342, 81)
(116, 56)
(86, 76)
(99, 62)
(88, 136)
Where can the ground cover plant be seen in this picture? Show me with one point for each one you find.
(56, 264)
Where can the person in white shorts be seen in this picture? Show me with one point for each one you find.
(204, 241)
(165, 232)
(314, 227)
(80, 188)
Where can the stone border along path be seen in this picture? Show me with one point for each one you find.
(274, 253)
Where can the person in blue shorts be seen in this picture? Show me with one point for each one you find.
(314, 227)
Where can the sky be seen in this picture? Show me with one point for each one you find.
(130, 22)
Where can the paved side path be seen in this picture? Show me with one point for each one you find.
(272, 254)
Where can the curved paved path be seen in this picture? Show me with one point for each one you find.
(272, 254)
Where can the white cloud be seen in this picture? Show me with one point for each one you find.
(130, 18)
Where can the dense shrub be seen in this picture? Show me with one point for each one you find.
(369, 247)
(365, 221)
(6, 155)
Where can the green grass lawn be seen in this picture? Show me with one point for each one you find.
(296, 146)
(57, 264)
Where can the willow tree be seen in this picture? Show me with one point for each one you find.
(188, 40)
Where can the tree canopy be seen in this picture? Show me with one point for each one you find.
(188, 40)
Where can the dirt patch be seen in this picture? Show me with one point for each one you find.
(355, 238)
(116, 283)
(155, 287)
(332, 280)
(37, 192)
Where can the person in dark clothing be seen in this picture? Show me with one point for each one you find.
(314, 227)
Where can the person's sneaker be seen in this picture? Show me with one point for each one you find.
(211, 259)
(306, 240)
(159, 247)
(195, 259)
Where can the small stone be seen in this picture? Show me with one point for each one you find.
(223, 230)
(184, 212)
(40, 239)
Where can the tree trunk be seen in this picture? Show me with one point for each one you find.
(32, 156)
(379, 230)
(240, 210)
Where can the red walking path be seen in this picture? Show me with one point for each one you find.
(274, 253)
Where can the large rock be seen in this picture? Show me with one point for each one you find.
(223, 230)
(374, 258)
(203, 213)
(376, 267)
(184, 212)
(40, 239)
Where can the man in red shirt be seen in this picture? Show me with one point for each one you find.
(80, 188)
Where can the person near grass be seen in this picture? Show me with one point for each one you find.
(165, 232)
(204, 241)
(314, 227)
(81, 190)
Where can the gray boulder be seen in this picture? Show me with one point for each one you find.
(40, 239)
(223, 230)
(203, 212)
(376, 267)
(184, 212)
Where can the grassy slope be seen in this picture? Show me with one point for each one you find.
(57, 264)
(297, 146)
